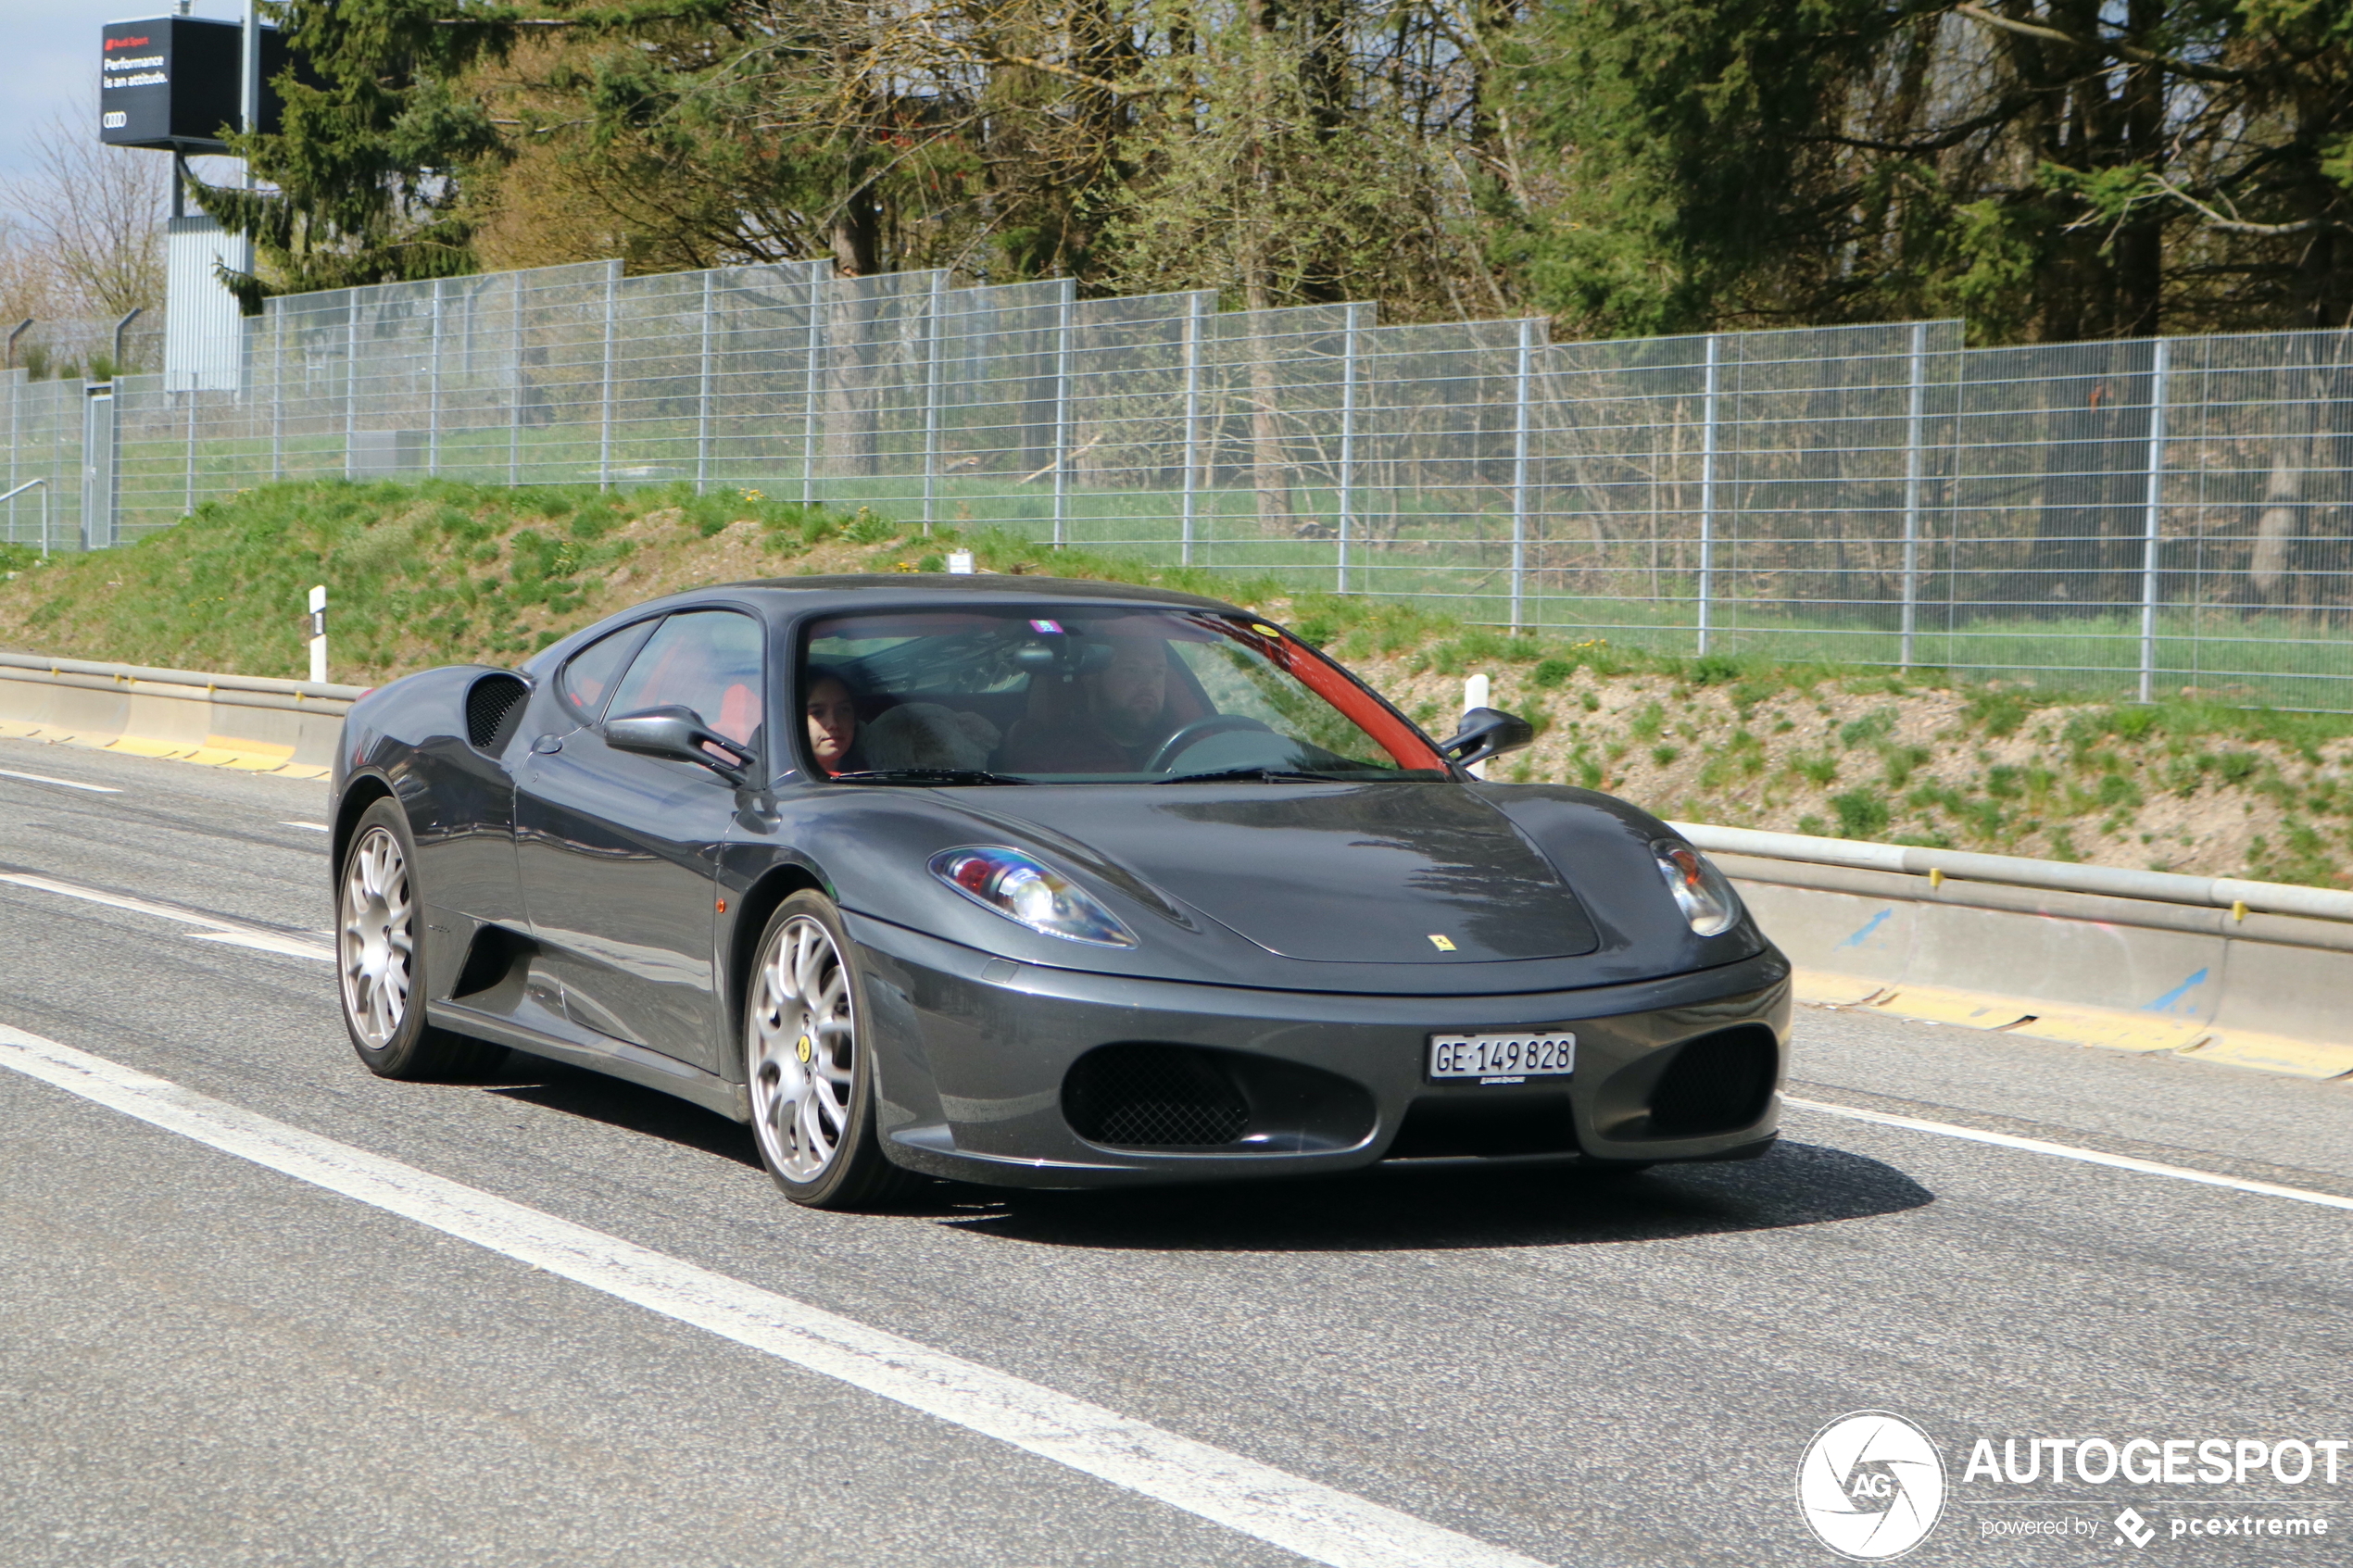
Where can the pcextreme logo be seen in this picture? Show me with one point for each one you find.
(1870, 1486)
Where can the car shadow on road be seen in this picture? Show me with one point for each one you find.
(1389, 1209)
(576, 1092)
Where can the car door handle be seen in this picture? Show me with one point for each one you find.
(547, 743)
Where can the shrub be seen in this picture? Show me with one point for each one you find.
(1821, 767)
(1869, 730)
(1713, 669)
(1901, 762)
(1862, 813)
(870, 528)
(1998, 714)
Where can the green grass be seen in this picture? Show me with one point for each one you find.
(445, 570)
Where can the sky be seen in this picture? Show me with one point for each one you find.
(49, 64)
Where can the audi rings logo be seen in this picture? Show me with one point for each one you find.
(1870, 1486)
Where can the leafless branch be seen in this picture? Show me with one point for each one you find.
(2194, 69)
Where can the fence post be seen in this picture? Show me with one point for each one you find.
(1347, 440)
(1193, 314)
(932, 324)
(1912, 489)
(188, 497)
(1061, 410)
(433, 389)
(813, 369)
(702, 396)
(1519, 472)
(1708, 491)
(350, 376)
(604, 416)
(278, 394)
(514, 403)
(2149, 536)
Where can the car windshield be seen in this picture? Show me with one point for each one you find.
(1059, 694)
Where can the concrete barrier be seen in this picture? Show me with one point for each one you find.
(2221, 892)
(250, 722)
(2222, 984)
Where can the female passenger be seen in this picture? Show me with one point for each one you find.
(832, 712)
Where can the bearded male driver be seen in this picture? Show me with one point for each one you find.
(1118, 720)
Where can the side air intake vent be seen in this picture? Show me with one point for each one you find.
(1716, 1084)
(494, 705)
(1155, 1097)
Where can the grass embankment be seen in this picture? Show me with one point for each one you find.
(445, 572)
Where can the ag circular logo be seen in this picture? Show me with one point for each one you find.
(1870, 1486)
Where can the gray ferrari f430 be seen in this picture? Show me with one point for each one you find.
(1033, 882)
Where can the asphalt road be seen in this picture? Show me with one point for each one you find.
(205, 1362)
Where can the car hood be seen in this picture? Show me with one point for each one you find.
(1386, 873)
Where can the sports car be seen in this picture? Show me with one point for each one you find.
(1033, 882)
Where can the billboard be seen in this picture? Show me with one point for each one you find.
(172, 82)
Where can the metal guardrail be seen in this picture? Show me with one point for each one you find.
(2115, 882)
(233, 691)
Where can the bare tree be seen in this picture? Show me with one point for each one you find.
(90, 238)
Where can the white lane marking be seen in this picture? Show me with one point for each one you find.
(66, 783)
(235, 932)
(1317, 1521)
(2069, 1151)
(267, 942)
(314, 827)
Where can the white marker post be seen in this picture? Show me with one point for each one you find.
(1474, 696)
(318, 623)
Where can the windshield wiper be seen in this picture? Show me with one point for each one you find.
(1253, 775)
(929, 776)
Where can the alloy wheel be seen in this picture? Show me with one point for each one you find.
(804, 1044)
(378, 940)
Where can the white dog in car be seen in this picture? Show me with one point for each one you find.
(928, 735)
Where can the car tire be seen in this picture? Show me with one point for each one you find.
(380, 959)
(809, 1066)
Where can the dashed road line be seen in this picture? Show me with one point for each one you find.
(1319, 1522)
(2069, 1151)
(218, 928)
(61, 783)
(314, 827)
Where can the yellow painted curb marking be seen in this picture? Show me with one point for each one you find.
(2106, 1028)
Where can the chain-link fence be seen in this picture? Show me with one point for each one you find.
(2132, 517)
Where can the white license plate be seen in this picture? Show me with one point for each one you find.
(1502, 1056)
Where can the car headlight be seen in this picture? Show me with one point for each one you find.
(1025, 890)
(1701, 891)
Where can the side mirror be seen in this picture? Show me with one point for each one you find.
(678, 734)
(1488, 731)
